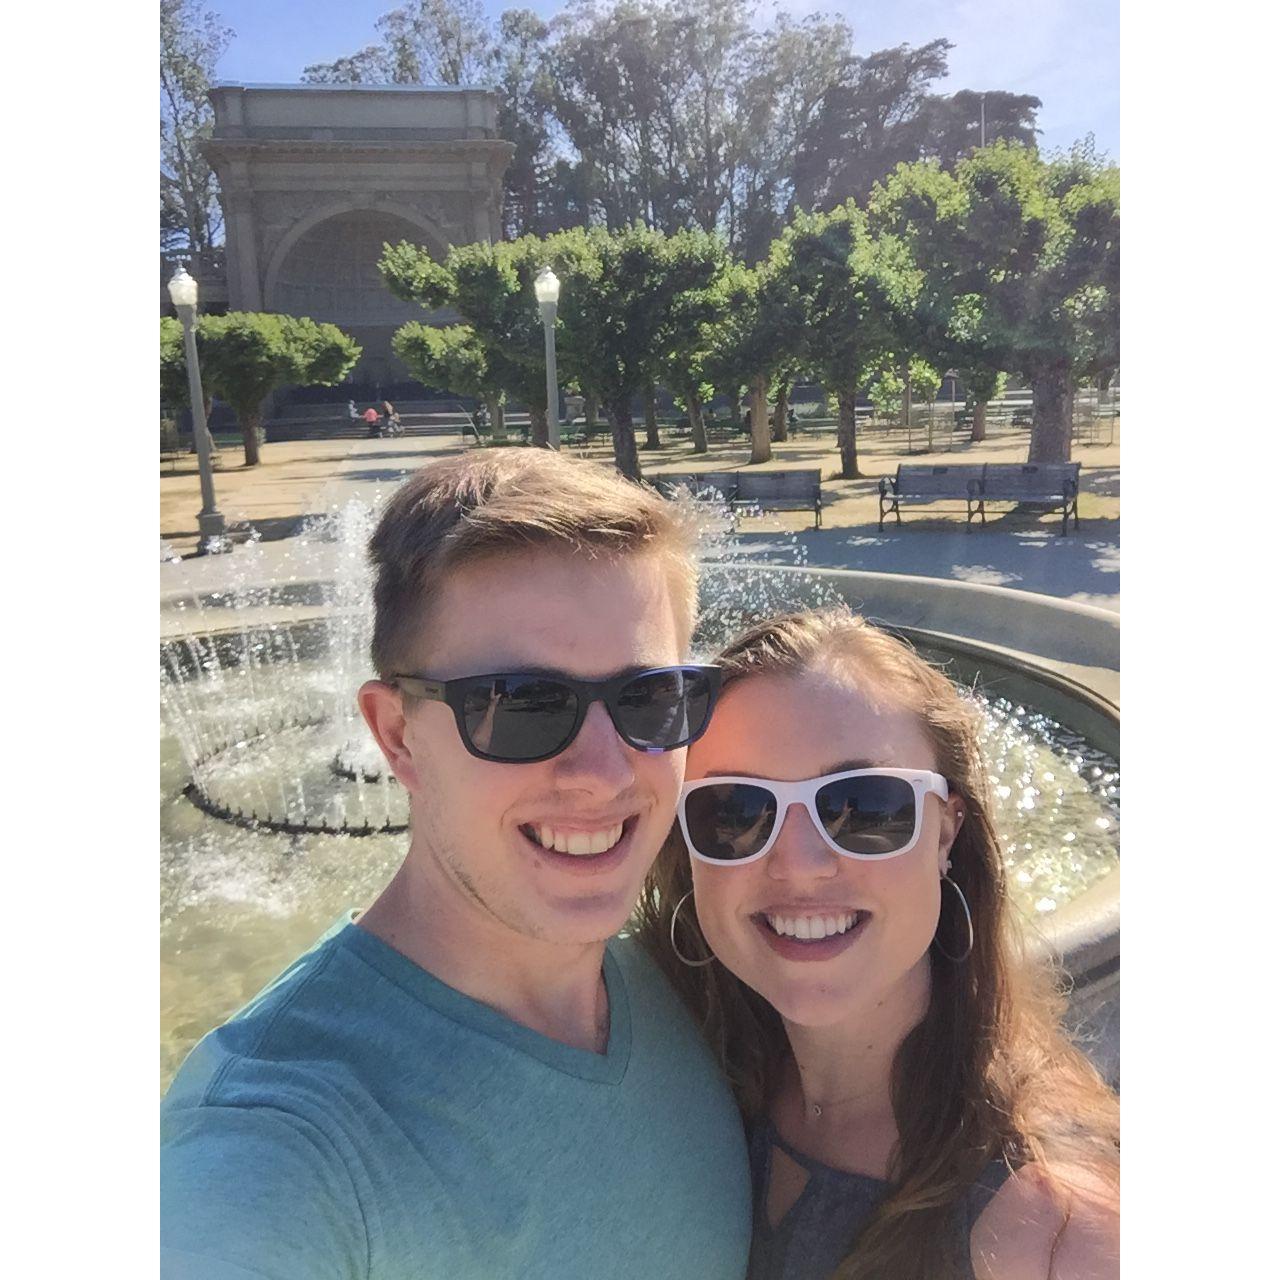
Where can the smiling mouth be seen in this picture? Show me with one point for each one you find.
(579, 843)
(811, 927)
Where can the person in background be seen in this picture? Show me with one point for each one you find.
(832, 906)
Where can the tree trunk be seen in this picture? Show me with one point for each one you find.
(780, 411)
(847, 435)
(697, 428)
(760, 450)
(735, 407)
(651, 439)
(625, 457)
(590, 411)
(1051, 397)
(497, 417)
(538, 428)
(251, 434)
(906, 394)
(979, 432)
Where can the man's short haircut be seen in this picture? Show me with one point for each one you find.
(465, 509)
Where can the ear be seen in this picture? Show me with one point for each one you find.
(952, 820)
(383, 710)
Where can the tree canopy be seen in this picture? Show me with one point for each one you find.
(192, 39)
(685, 114)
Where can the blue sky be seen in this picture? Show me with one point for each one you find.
(1066, 52)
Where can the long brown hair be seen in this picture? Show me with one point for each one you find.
(988, 1073)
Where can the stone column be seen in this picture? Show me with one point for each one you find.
(244, 281)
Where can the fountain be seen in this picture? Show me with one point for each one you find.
(277, 814)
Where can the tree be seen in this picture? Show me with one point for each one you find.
(1020, 262)
(952, 127)
(856, 293)
(322, 354)
(191, 42)
(175, 389)
(424, 42)
(627, 310)
(982, 384)
(452, 358)
(695, 330)
(245, 355)
(491, 287)
(787, 73)
(867, 124)
(615, 87)
(523, 85)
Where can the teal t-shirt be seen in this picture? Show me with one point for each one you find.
(362, 1119)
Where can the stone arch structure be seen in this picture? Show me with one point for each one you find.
(326, 267)
(315, 177)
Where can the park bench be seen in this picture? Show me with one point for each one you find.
(1054, 483)
(926, 484)
(799, 490)
(716, 485)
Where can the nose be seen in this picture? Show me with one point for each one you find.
(597, 759)
(800, 853)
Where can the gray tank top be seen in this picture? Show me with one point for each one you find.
(818, 1230)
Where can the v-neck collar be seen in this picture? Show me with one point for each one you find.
(603, 1068)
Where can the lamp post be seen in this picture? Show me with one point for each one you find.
(547, 290)
(184, 293)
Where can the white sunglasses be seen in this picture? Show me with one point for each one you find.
(868, 814)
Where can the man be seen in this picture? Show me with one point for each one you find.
(475, 1078)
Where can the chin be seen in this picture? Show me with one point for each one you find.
(811, 1005)
(586, 919)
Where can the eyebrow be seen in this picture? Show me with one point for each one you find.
(845, 766)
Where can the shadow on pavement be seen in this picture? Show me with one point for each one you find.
(1015, 550)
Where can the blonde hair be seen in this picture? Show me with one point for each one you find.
(461, 510)
(988, 1073)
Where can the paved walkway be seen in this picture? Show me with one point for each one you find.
(1019, 550)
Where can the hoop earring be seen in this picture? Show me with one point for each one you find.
(968, 920)
(693, 964)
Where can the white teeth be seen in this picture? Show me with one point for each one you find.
(578, 843)
(811, 928)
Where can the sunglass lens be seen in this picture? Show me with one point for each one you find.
(868, 815)
(664, 709)
(729, 822)
(519, 717)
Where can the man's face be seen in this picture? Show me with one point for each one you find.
(477, 823)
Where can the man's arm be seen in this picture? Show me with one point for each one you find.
(252, 1193)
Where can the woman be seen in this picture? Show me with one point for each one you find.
(914, 1109)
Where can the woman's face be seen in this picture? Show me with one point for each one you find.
(791, 727)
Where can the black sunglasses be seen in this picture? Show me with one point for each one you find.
(522, 717)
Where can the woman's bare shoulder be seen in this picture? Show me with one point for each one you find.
(1059, 1223)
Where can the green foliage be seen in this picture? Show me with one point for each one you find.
(1020, 259)
(322, 354)
(685, 113)
(450, 358)
(854, 293)
(423, 42)
(175, 390)
(191, 42)
(925, 379)
(491, 287)
(982, 384)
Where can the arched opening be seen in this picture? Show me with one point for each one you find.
(331, 274)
